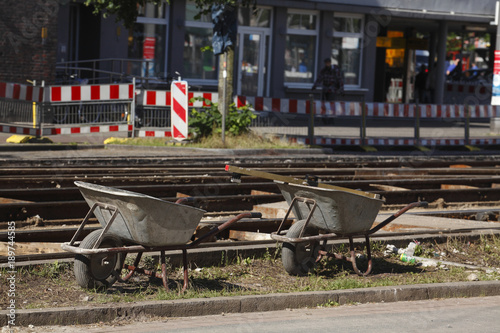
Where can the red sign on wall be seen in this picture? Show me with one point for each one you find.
(495, 95)
(148, 48)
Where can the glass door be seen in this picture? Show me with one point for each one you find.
(251, 63)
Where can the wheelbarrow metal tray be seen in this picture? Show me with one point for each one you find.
(336, 212)
(143, 219)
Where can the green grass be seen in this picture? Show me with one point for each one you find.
(54, 284)
(245, 141)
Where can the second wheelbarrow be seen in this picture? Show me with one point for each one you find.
(323, 212)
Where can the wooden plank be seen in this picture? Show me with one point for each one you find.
(257, 192)
(31, 248)
(457, 187)
(9, 200)
(292, 180)
(248, 235)
(388, 187)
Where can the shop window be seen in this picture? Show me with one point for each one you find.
(147, 42)
(199, 60)
(301, 45)
(347, 46)
(260, 17)
(199, 63)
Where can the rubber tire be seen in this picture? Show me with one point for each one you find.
(86, 266)
(300, 258)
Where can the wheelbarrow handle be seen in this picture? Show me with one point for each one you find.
(184, 200)
(391, 218)
(226, 225)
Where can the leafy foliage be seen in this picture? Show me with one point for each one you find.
(126, 10)
(208, 120)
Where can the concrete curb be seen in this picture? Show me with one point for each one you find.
(241, 304)
(46, 147)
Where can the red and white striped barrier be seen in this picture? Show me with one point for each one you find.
(19, 130)
(160, 98)
(461, 93)
(21, 92)
(179, 113)
(90, 93)
(275, 104)
(153, 134)
(294, 106)
(87, 129)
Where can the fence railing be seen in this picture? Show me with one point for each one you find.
(122, 104)
(317, 122)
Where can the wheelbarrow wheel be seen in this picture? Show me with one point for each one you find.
(98, 271)
(300, 258)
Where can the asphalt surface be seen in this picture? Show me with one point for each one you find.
(459, 315)
(247, 304)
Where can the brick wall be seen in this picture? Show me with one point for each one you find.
(24, 54)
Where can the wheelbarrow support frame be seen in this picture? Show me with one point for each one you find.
(311, 204)
(140, 249)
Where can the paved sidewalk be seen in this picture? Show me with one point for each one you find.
(242, 304)
(346, 127)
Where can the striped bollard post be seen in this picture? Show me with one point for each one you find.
(179, 113)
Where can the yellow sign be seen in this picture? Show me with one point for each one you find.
(391, 43)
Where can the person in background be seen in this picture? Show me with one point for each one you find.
(452, 66)
(331, 80)
(474, 66)
(456, 74)
(421, 85)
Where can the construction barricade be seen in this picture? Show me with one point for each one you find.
(297, 120)
(154, 110)
(20, 108)
(87, 109)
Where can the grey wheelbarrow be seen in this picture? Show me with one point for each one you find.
(134, 223)
(323, 212)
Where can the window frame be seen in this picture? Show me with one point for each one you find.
(159, 21)
(304, 32)
(197, 81)
(359, 35)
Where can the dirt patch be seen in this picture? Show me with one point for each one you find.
(54, 285)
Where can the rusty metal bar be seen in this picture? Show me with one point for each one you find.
(185, 269)
(224, 226)
(132, 268)
(163, 262)
(396, 215)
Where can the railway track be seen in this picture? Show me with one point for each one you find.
(45, 187)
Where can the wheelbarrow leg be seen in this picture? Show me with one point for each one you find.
(368, 255)
(164, 270)
(132, 268)
(185, 264)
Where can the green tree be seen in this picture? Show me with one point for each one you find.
(126, 10)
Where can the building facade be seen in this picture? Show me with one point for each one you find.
(280, 46)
